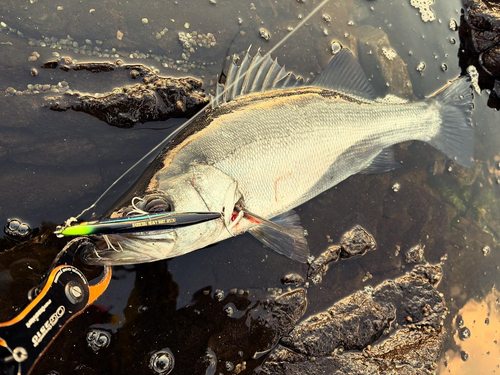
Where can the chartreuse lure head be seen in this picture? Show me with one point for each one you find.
(82, 229)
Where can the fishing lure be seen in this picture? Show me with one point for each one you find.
(134, 223)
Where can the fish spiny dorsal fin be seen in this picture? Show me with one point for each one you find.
(231, 74)
(281, 73)
(261, 74)
(253, 74)
(344, 74)
(271, 75)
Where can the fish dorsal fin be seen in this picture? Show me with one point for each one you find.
(383, 162)
(253, 74)
(344, 74)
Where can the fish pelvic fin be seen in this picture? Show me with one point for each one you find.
(284, 234)
(455, 137)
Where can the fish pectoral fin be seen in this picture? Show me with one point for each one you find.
(383, 162)
(284, 234)
(345, 74)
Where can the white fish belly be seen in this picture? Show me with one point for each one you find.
(288, 150)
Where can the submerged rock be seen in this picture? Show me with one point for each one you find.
(410, 307)
(155, 99)
(355, 242)
(375, 50)
(415, 254)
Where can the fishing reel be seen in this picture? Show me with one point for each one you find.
(63, 293)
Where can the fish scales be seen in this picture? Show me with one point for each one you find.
(255, 156)
(265, 142)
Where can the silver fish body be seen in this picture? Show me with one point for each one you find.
(267, 153)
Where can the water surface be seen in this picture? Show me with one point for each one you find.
(55, 164)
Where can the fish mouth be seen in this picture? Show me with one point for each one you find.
(121, 250)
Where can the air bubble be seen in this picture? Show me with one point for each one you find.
(421, 67)
(17, 230)
(424, 7)
(98, 339)
(474, 76)
(486, 251)
(464, 333)
(264, 34)
(390, 54)
(162, 361)
(444, 67)
(336, 47)
(219, 295)
(453, 25)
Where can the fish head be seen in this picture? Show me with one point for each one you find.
(201, 189)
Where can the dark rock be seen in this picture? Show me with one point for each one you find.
(415, 254)
(266, 323)
(356, 242)
(155, 99)
(330, 342)
(51, 64)
(320, 266)
(490, 60)
(292, 279)
(480, 35)
(95, 67)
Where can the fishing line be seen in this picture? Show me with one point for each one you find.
(175, 132)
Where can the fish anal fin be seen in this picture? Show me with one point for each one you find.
(284, 234)
(383, 162)
(345, 74)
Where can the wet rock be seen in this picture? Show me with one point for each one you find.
(375, 49)
(491, 60)
(355, 242)
(320, 266)
(480, 35)
(330, 342)
(51, 64)
(292, 279)
(415, 254)
(267, 323)
(155, 99)
(484, 17)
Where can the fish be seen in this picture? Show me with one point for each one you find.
(270, 142)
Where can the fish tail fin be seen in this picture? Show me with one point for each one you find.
(455, 137)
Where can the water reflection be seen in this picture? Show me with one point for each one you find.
(55, 164)
(479, 347)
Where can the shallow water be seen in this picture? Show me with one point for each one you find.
(55, 164)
